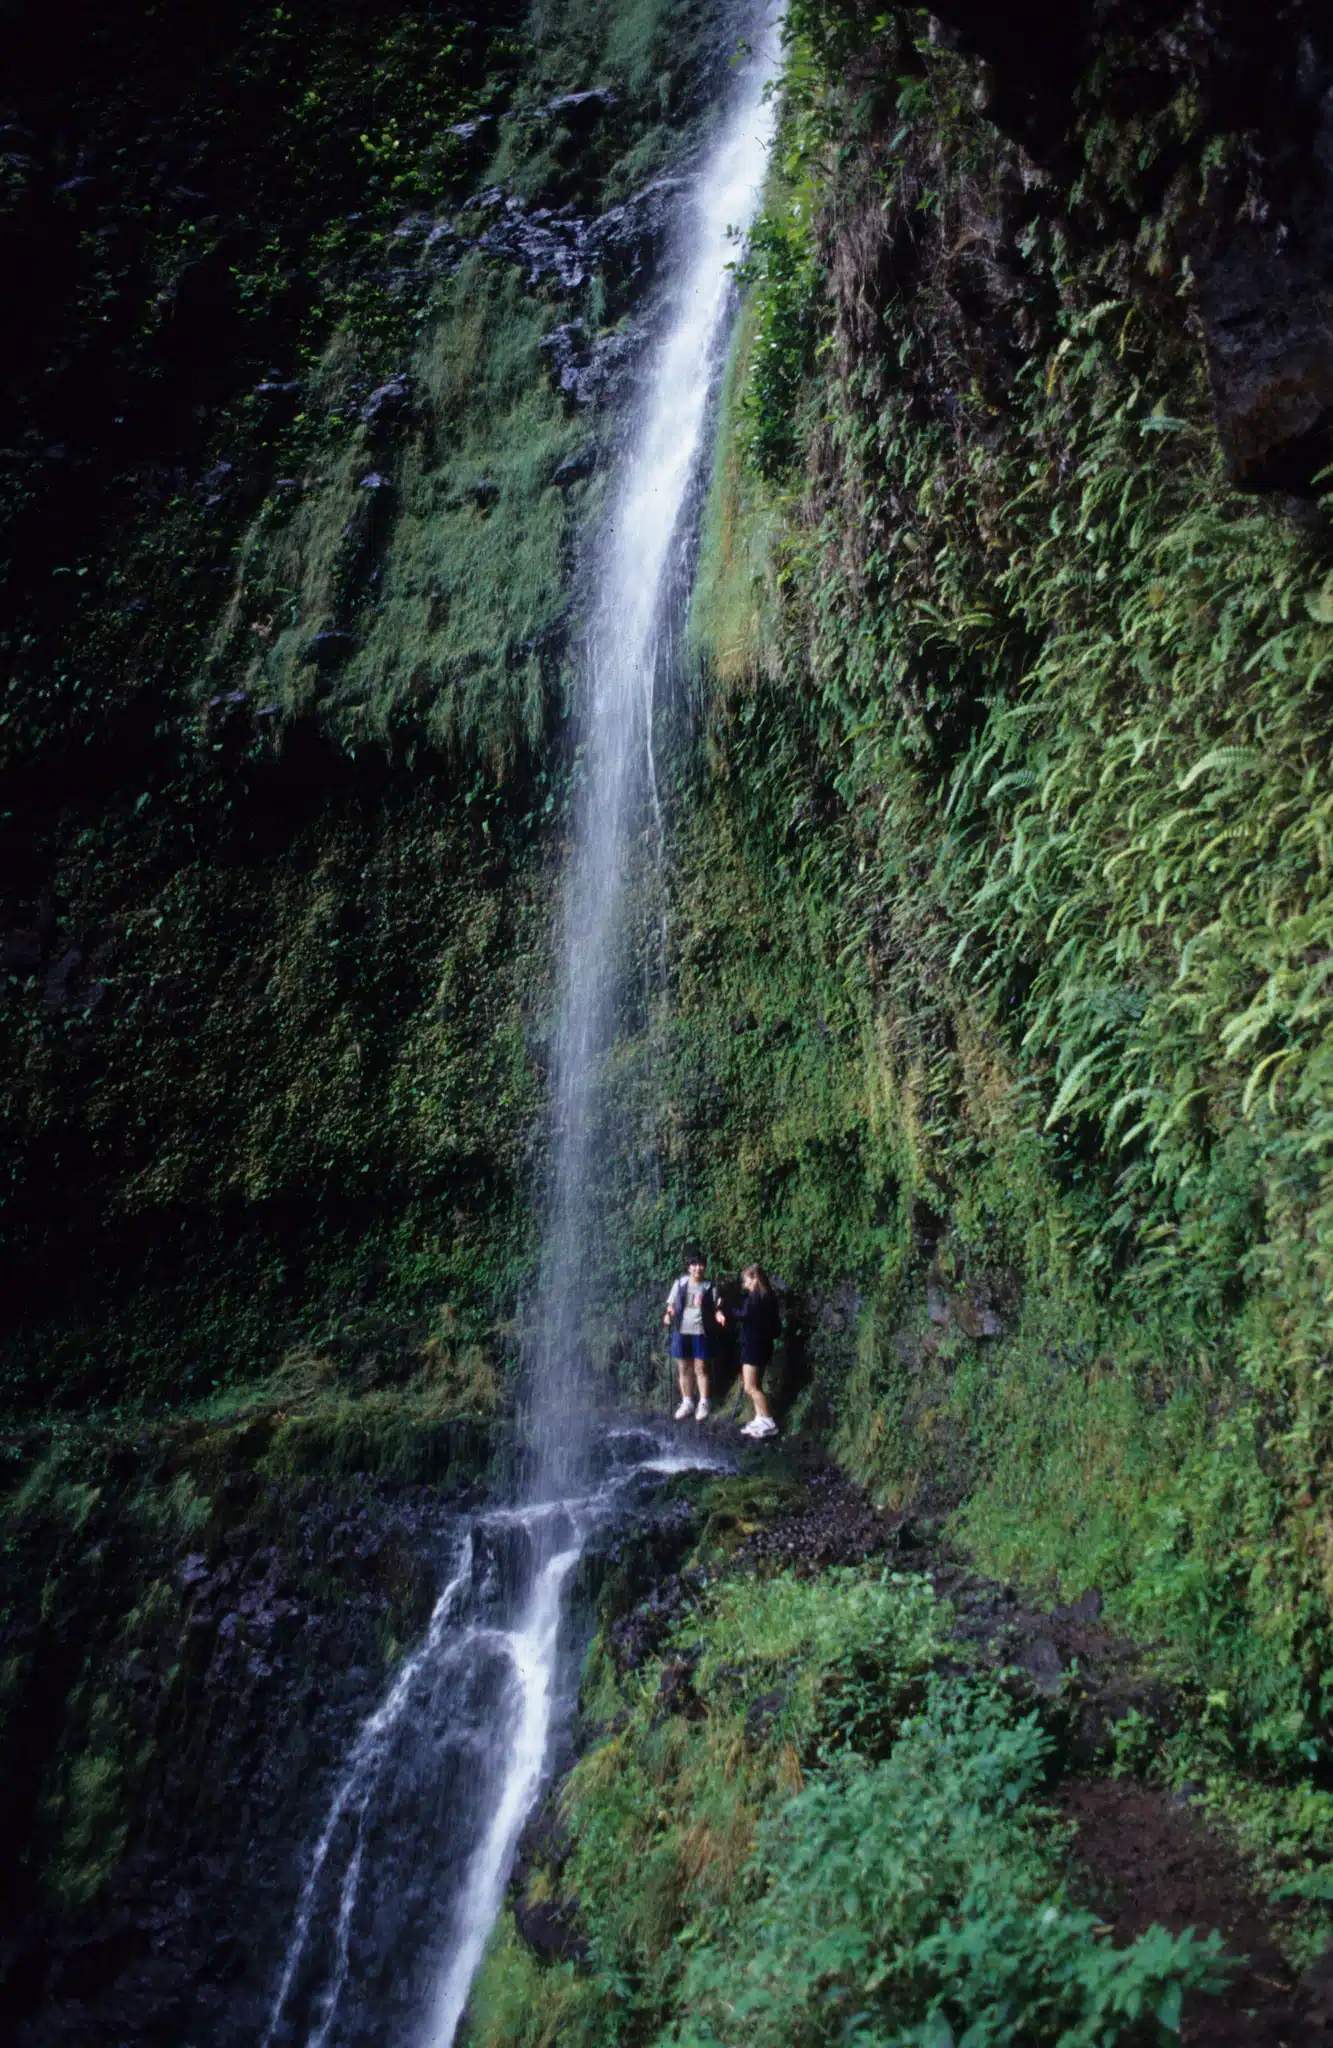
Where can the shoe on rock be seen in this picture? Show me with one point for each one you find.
(704, 1410)
(685, 1410)
(763, 1425)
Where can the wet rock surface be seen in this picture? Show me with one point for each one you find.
(1259, 237)
(267, 1647)
(563, 249)
(590, 369)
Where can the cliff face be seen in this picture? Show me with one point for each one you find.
(1253, 236)
(322, 324)
(1011, 865)
(996, 1016)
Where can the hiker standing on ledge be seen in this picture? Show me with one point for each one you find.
(760, 1327)
(691, 1311)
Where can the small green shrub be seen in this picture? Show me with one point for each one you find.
(781, 272)
(915, 1904)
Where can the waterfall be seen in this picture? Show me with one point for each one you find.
(403, 1884)
(408, 1872)
(634, 598)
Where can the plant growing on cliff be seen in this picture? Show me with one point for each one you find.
(914, 1905)
(1025, 795)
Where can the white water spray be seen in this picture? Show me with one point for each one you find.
(352, 1794)
(533, 1649)
(321, 1995)
(640, 551)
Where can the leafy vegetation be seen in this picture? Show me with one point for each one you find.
(797, 1834)
(1000, 907)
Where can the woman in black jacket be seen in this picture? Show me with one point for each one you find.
(760, 1327)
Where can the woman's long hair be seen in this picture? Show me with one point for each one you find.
(762, 1283)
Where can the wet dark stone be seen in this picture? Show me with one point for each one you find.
(637, 1637)
(676, 1693)
(1259, 239)
(55, 987)
(389, 404)
(583, 106)
(1043, 1664)
(266, 1687)
(546, 247)
(1088, 1607)
(551, 1928)
(589, 371)
(279, 397)
(563, 249)
(575, 467)
(762, 1712)
(838, 1524)
(329, 648)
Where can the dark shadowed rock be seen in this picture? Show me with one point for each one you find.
(546, 246)
(589, 371)
(1259, 240)
(55, 988)
(1088, 1607)
(676, 1693)
(550, 1928)
(762, 1712)
(562, 249)
(1270, 359)
(1042, 1662)
(630, 238)
(580, 107)
(389, 404)
(575, 467)
(327, 649)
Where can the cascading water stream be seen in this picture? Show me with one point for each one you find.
(405, 1879)
(429, 1808)
(633, 603)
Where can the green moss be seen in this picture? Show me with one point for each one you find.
(522, 2003)
(302, 1069)
(91, 1829)
(473, 538)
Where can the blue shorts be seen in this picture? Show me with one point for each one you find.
(695, 1348)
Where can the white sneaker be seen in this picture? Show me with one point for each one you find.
(685, 1410)
(763, 1425)
(704, 1410)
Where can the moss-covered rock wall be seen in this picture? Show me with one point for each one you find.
(1002, 905)
(326, 318)
(995, 1008)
